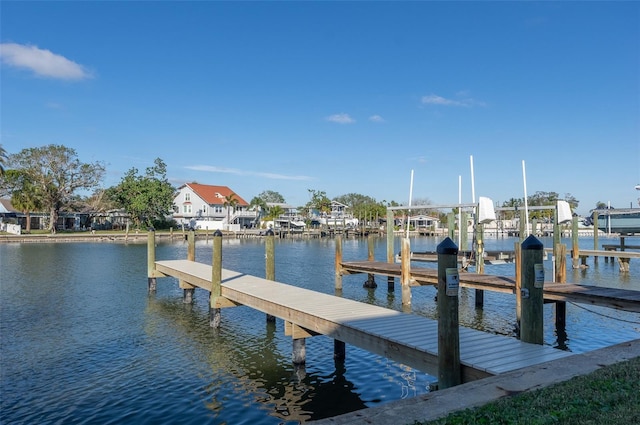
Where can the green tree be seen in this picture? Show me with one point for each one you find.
(56, 174)
(601, 205)
(146, 198)
(259, 205)
(24, 194)
(270, 196)
(230, 203)
(319, 201)
(3, 160)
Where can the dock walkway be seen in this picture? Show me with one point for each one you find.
(628, 300)
(406, 338)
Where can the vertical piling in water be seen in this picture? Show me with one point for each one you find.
(451, 225)
(405, 272)
(479, 298)
(216, 281)
(575, 250)
(390, 279)
(338, 264)
(339, 350)
(561, 277)
(270, 260)
(370, 283)
(188, 290)
(595, 237)
(299, 354)
(518, 265)
(151, 260)
(531, 292)
(449, 371)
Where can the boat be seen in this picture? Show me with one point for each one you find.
(617, 220)
(623, 220)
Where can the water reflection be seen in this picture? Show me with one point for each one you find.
(259, 363)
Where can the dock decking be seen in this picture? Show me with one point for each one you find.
(406, 338)
(621, 299)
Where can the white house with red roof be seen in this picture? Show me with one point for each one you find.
(204, 206)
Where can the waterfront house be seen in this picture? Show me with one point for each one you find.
(203, 206)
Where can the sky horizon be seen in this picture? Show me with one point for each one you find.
(340, 97)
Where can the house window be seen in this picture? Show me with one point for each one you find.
(187, 197)
(186, 209)
(217, 209)
(204, 209)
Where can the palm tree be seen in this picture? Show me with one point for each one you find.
(26, 200)
(3, 159)
(230, 203)
(258, 204)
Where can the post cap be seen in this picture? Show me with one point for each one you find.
(532, 243)
(217, 233)
(447, 246)
(269, 232)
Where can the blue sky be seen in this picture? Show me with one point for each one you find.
(338, 97)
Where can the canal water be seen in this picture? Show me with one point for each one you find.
(82, 341)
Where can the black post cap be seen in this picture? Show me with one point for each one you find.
(532, 243)
(447, 246)
(269, 232)
(217, 233)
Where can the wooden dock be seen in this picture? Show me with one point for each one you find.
(621, 299)
(406, 338)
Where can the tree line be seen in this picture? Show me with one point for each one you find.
(49, 179)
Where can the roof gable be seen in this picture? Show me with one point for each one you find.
(214, 194)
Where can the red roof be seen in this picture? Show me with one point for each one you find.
(215, 194)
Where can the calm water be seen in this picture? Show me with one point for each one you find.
(83, 341)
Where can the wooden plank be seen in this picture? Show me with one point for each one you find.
(405, 338)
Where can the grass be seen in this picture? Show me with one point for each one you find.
(610, 395)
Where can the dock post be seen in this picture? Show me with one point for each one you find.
(479, 298)
(151, 259)
(449, 371)
(451, 225)
(370, 283)
(518, 265)
(390, 279)
(216, 280)
(188, 290)
(575, 250)
(339, 350)
(299, 355)
(532, 329)
(270, 259)
(405, 272)
(338, 264)
(595, 237)
(561, 277)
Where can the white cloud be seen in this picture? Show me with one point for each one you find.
(434, 99)
(341, 118)
(42, 62)
(225, 170)
(376, 118)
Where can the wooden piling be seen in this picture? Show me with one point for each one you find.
(216, 281)
(405, 272)
(451, 225)
(390, 253)
(270, 260)
(575, 250)
(561, 277)
(370, 283)
(531, 292)
(151, 260)
(187, 289)
(449, 371)
(299, 352)
(479, 298)
(339, 350)
(338, 263)
(595, 237)
(518, 279)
